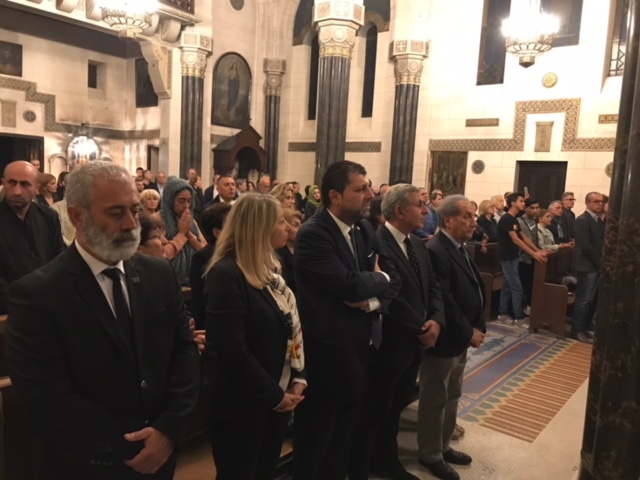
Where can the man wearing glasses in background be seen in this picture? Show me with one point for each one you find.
(568, 217)
(589, 235)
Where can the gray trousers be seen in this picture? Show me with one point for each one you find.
(440, 390)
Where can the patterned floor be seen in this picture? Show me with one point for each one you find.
(517, 382)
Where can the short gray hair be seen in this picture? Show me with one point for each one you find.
(397, 196)
(566, 194)
(553, 202)
(450, 207)
(80, 181)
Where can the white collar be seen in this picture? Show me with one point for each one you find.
(397, 234)
(344, 228)
(96, 266)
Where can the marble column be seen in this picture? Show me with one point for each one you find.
(194, 50)
(408, 56)
(611, 438)
(274, 69)
(337, 23)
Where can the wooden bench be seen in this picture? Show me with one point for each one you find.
(550, 298)
(491, 272)
(3, 361)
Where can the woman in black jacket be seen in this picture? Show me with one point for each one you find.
(254, 355)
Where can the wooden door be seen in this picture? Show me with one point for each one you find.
(21, 147)
(545, 180)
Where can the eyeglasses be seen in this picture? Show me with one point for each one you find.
(596, 201)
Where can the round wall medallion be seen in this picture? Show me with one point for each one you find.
(477, 167)
(29, 116)
(609, 169)
(549, 80)
(237, 4)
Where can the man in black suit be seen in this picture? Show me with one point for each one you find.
(414, 321)
(589, 232)
(148, 181)
(98, 343)
(558, 228)
(226, 188)
(442, 369)
(343, 280)
(568, 217)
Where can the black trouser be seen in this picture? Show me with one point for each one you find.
(375, 443)
(526, 279)
(247, 450)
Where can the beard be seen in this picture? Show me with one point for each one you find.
(120, 246)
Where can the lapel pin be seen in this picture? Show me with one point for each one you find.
(135, 280)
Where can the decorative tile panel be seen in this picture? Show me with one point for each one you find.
(569, 106)
(356, 147)
(608, 118)
(482, 122)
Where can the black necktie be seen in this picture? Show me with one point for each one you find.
(352, 236)
(123, 316)
(413, 259)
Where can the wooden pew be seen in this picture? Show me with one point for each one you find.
(491, 272)
(550, 299)
(3, 361)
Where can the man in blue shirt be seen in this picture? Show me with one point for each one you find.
(431, 219)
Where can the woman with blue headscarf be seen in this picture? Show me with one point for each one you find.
(183, 233)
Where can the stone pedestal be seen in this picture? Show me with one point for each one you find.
(274, 69)
(612, 426)
(337, 23)
(408, 56)
(194, 50)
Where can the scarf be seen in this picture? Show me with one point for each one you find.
(287, 303)
(310, 197)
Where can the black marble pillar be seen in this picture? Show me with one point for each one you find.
(611, 439)
(403, 140)
(191, 124)
(333, 97)
(272, 136)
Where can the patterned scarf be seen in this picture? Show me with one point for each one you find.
(287, 303)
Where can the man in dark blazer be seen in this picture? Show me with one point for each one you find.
(343, 281)
(442, 369)
(98, 344)
(414, 321)
(589, 232)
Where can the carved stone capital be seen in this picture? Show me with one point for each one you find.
(408, 57)
(194, 50)
(160, 59)
(337, 23)
(275, 69)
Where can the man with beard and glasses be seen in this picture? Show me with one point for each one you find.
(98, 344)
(30, 234)
(343, 280)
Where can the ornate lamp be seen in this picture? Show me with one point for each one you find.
(128, 17)
(528, 31)
(82, 149)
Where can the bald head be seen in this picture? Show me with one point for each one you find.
(20, 180)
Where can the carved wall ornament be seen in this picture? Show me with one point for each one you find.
(611, 118)
(608, 170)
(275, 69)
(8, 118)
(408, 56)
(337, 23)
(549, 80)
(543, 136)
(29, 116)
(477, 167)
(360, 147)
(570, 141)
(194, 50)
(482, 122)
(237, 4)
(160, 59)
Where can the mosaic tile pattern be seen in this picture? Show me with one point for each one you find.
(360, 147)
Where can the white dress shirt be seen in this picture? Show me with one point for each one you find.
(105, 283)
(399, 236)
(374, 303)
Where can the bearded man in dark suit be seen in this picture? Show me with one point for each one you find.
(99, 346)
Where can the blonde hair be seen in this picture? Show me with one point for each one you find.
(247, 234)
(149, 193)
(280, 191)
(483, 209)
(290, 214)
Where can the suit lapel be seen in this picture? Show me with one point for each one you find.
(340, 239)
(134, 286)
(395, 248)
(91, 293)
(457, 256)
(274, 305)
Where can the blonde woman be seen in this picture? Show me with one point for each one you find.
(285, 195)
(486, 220)
(255, 359)
(150, 200)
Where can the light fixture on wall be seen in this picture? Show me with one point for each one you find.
(82, 149)
(528, 31)
(128, 17)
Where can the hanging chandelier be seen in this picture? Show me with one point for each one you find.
(528, 31)
(128, 17)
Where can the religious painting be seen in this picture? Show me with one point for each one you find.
(231, 92)
(10, 59)
(145, 94)
(448, 172)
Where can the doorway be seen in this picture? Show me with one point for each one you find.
(247, 164)
(544, 180)
(21, 147)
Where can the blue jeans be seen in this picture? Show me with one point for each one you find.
(511, 291)
(588, 283)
